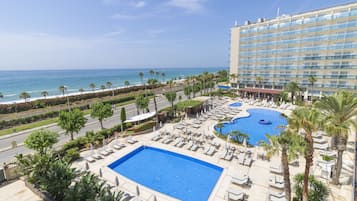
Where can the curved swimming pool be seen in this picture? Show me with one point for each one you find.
(173, 174)
(253, 126)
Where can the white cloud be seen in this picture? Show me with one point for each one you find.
(140, 4)
(188, 5)
(114, 33)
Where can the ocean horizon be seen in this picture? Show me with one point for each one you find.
(13, 82)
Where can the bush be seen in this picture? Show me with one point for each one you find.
(71, 154)
(143, 126)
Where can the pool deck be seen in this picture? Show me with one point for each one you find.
(259, 172)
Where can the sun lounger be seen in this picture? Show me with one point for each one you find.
(229, 156)
(280, 194)
(276, 169)
(224, 153)
(109, 150)
(272, 198)
(206, 149)
(235, 195)
(177, 141)
(90, 159)
(104, 153)
(276, 182)
(118, 146)
(156, 137)
(211, 151)
(96, 156)
(190, 144)
(248, 160)
(321, 146)
(131, 141)
(241, 158)
(194, 147)
(168, 140)
(242, 181)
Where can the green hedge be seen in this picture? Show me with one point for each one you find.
(26, 120)
(19, 107)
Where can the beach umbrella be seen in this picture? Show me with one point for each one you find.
(137, 190)
(116, 181)
(155, 199)
(100, 172)
(87, 166)
(153, 128)
(160, 124)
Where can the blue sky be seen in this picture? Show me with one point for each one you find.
(65, 34)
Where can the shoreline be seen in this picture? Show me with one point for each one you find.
(76, 93)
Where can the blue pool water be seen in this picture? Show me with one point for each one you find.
(173, 174)
(236, 104)
(250, 125)
(223, 87)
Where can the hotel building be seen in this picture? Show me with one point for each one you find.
(268, 54)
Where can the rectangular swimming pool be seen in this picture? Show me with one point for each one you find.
(170, 173)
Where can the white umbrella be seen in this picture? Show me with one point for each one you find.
(100, 172)
(87, 166)
(160, 124)
(153, 128)
(155, 199)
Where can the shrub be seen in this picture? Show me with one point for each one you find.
(71, 154)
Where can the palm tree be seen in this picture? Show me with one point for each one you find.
(157, 73)
(171, 97)
(142, 102)
(24, 95)
(152, 83)
(339, 111)
(102, 87)
(312, 80)
(81, 90)
(258, 80)
(171, 83)
(109, 85)
(141, 75)
(44, 94)
(71, 121)
(309, 121)
(126, 83)
(62, 89)
(289, 145)
(292, 87)
(1, 95)
(151, 72)
(92, 86)
(163, 76)
(233, 78)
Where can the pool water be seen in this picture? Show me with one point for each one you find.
(250, 125)
(170, 173)
(236, 104)
(223, 87)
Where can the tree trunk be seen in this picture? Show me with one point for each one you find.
(72, 138)
(337, 168)
(156, 115)
(286, 172)
(101, 124)
(309, 152)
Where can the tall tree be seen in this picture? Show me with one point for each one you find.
(292, 88)
(142, 102)
(339, 111)
(318, 191)
(126, 83)
(92, 86)
(44, 94)
(187, 92)
(289, 145)
(41, 140)
(171, 97)
(110, 85)
(81, 90)
(141, 75)
(309, 121)
(24, 95)
(233, 78)
(122, 115)
(157, 73)
(72, 121)
(312, 80)
(101, 111)
(1, 95)
(151, 72)
(62, 89)
(163, 76)
(152, 83)
(102, 87)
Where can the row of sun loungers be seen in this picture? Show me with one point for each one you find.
(245, 159)
(105, 151)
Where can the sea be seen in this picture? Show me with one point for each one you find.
(12, 83)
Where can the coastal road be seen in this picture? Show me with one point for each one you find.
(7, 153)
